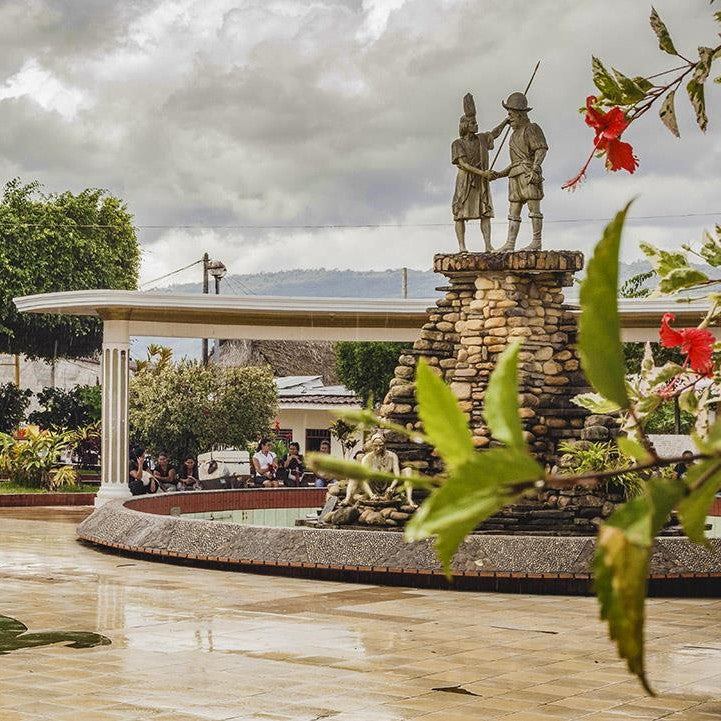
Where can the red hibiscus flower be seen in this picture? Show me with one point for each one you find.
(609, 127)
(696, 343)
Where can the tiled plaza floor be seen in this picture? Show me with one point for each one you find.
(191, 644)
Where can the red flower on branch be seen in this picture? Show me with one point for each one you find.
(609, 127)
(696, 344)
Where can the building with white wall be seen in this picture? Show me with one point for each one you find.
(307, 407)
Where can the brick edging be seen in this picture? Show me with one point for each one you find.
(18, 500)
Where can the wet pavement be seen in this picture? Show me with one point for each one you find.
(191, 644)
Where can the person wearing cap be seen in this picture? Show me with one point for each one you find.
(472, 196)
(527, 149)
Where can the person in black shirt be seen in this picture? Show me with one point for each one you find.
(140, 480)
(165, 473)
(293, 465)
(681, 468)
(188, 475)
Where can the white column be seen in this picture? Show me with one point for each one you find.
(114, 415)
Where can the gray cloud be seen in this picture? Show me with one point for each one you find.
(221, 112)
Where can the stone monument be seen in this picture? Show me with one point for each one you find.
(492, 300)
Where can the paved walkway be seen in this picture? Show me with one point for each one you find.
(191, 644)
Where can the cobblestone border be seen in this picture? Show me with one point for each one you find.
(524, 564)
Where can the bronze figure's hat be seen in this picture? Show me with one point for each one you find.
(469, 106)
(516, 101)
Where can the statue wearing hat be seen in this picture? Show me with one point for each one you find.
(527, 149)
(472, 196)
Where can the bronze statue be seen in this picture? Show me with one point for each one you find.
(472, 196)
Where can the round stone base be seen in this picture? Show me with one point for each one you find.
(545, 261)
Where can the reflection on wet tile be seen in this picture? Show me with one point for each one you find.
(216, 645)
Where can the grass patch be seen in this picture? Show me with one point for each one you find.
(7, 487)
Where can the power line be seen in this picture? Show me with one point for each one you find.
(323, 226)
(234, 286)
(172, 272)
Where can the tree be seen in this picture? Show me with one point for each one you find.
(57, 242)
(367, 368)
(186, 407)
(14, 402)
(74, 408)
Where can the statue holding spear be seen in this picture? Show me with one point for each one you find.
(527, 149)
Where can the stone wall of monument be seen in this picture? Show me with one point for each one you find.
(491, 301)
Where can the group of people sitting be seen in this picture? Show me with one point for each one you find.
(268, 471)
(163, 476)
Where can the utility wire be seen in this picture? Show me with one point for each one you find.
(172, 272)
(321, 226)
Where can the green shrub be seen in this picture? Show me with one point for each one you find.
(74, 408)
(186, 407)
(14, 402)
(586, 457)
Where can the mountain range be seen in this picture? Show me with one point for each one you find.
(329, 283)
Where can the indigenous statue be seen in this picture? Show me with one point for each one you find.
(379, 458)
(527, 149)
(472, 197)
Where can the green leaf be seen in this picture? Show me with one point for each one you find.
(662, 261)
(698, 103)
(644, 83)
(342, 469)
(688, 401)
(595, 403)
(694, 508)
(631, 91)
(474, 491)
(711, 249)
(633, 449)
(367, 419)
(711, 442)
(443, 421)
(605, 82)
(664, 39)
(599, 327)
(501, 400)
(662, 375)
(621, 567)
(703, 66)
(647, 404)
(667, 113)
(681, 278)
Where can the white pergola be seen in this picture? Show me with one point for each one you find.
(134, 313)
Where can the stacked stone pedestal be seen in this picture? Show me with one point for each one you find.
(493, 300)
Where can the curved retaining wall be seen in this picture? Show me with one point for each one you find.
(527, 564)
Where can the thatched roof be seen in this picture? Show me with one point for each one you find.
(285, 357)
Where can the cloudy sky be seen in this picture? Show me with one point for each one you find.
(270, 113)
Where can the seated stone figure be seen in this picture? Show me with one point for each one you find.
(378, 458)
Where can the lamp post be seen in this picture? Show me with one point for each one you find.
(217, 269)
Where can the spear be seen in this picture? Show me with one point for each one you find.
(508, 128)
